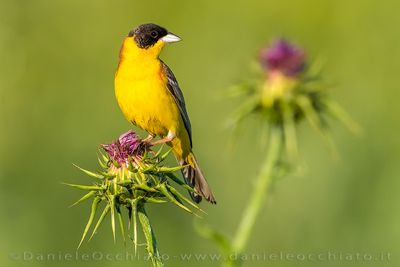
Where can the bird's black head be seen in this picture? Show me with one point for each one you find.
(147, 35)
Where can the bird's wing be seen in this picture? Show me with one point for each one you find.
(176, 92)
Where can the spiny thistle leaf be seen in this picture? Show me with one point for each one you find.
(337, 112)
(315, 121)
(145, 188)
(102, 216)
(92, 174)
(165, 155)
(121, 224)
(108, 175)
(180, 196)
(154, 200)
(125, 183)
(104, 157)
(84, 187)
(170, 170)
(102, 163)
(134, 215)
(179, 182)
(86, 196)
(158, 153)
(166, 193)
(112, 207)
(91, 217)
(245, 109)
(309, 112)
(289, 129)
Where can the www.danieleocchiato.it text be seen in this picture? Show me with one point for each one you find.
(330, 256)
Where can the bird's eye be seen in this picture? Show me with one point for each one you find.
(154, 34)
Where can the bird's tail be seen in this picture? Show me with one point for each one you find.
(194, 177)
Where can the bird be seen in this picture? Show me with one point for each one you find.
(149, 96)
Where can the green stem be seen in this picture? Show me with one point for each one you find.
(148, 232)
(258, 196)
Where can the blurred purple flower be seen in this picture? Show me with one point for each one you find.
(127, 145)
(283, 57)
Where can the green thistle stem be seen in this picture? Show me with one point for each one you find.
(148, 232)
(258, 196)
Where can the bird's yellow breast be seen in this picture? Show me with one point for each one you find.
(142, 93)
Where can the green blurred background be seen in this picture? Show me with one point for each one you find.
(57, 105)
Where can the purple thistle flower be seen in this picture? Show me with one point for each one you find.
(130, 142)
(283, 57)
(127, 145)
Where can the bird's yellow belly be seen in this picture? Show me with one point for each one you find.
(147, 103)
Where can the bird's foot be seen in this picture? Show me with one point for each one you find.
(148, 138)
(164, 140)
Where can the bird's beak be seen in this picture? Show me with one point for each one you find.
(170, 38)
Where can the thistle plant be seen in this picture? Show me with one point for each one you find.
(131, 176)
(285, 91)
(288, 91)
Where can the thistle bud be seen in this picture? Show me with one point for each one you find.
(283, 63)
(282, 57)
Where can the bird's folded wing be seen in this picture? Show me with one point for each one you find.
(176, 92)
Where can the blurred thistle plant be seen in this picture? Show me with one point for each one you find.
(289, 91)
(131, 176)
(286, 91)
